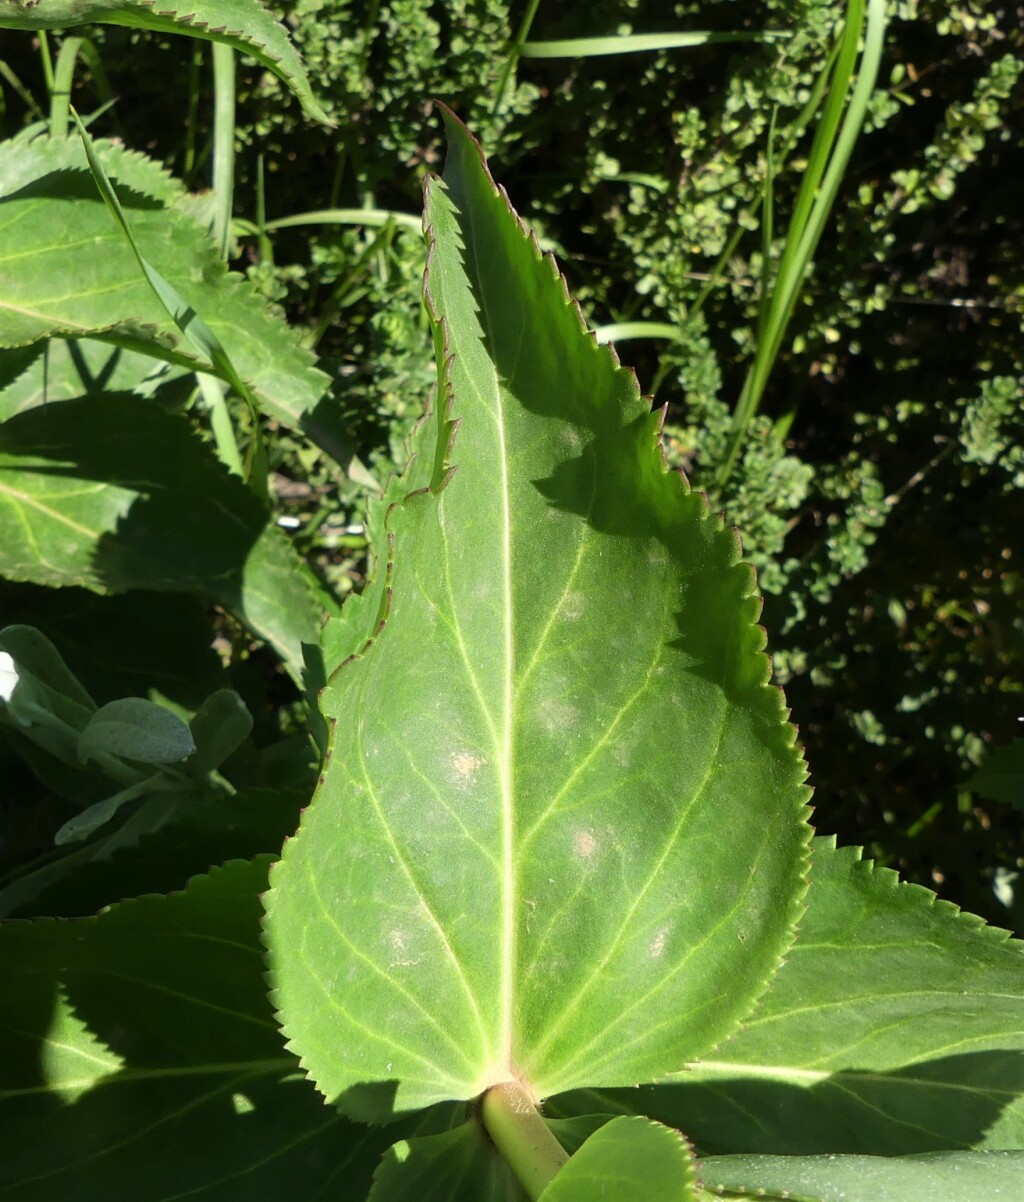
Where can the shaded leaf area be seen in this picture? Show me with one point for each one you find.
(560, 837)
(111, 494)
(243, 24)
(614, 1158)
(629, 1159)
(61, 370)
(461, 1165)
(964, 1176)
(67, 271)
(896, 1026)
(1001, 776)
(125, 643)
(144, 1031)
(155, 852)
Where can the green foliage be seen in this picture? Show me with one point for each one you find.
(556, 857)
(242, 24)
(534, 508)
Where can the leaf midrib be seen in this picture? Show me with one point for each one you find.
(506, 746)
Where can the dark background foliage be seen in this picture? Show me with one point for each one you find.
(881, 489)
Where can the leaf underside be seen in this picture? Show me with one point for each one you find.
(561, 833)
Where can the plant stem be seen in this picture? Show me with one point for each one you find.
(830, 153)
(223, 143)
(60, 92)
(515, 52)
(191, 121)
(522, 1137)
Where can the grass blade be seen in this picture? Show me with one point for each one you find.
(638, 43)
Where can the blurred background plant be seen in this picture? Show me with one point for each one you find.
(879, 486)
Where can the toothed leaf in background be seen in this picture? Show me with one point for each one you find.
(153, 1019)
(561, 834)
(627, 1160)
(896, 1026)
(85, 281)
(244, 25)
(963, 1176)
(112, 494)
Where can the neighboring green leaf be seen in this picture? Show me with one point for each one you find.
(42, 670)
(636, 43)
(136, 729)
(199, 831)
(896, 1026)
(41, 695)
(153, 1017)
(130, 643)
(54, 215)
(72, 1059)
(1001, 776)
(560, 837)
(60, 370)
(456, 1166)
(98, 814)
(952, 1176)
(627, 1160)
(112, 494)
(218, 727)
(190, 325)
(243, 24)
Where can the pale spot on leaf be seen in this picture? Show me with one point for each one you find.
(465, 765)
(584, 844)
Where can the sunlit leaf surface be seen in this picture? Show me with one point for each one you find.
(896, 1026)
(560, 835)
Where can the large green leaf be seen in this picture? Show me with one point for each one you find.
(69, 272)
(560, 837)
(112, 494)
(244, 24)
(139, 1060)
(956, 1176)
(896, 1026)
(627, 1160)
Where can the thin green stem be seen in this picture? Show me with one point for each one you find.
(195, 67)
(793, 134)
(60, 91)
(223, 143)
(47, 61)
(214, 395)
(26, 97)
(522, 1137)
(830, 154)
(369, 21)
(266, 246)
(515, 53)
